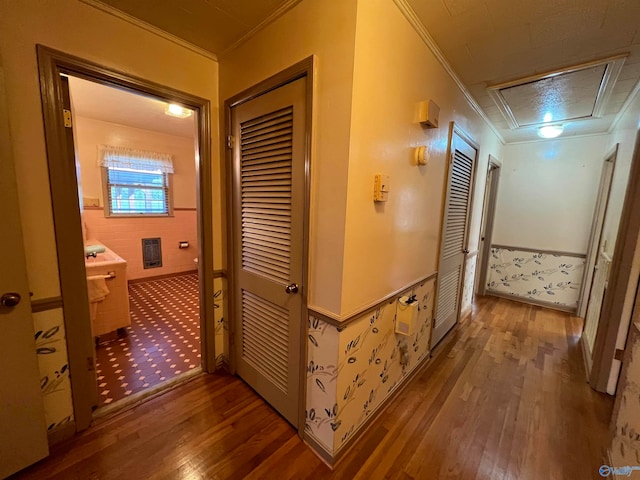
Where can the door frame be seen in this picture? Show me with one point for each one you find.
(486, 223)
(597, 227)
(66, 212)
(304, 68)
(621, 284)
(455, 129)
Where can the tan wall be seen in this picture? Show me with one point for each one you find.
(392, 245)
(86, 32)
(327, 30)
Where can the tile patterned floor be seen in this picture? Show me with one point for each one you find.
(162, 341)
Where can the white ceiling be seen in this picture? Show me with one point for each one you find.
(488, 42)
(108, 104)
(485, 42)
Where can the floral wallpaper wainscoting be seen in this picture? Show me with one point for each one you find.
(322, 374)
(55, 385)
(469, 280)
(545, 278)
(219, 315)
(353, 369)
(625, 445)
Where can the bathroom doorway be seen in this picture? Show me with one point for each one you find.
(136, 174)
(132, 209)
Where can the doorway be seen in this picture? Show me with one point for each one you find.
(136, 172)
(486, 225)
(54, 66)
(598, 262)
(269, 150)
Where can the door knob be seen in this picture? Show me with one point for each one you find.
(293, 288)
(10, 299)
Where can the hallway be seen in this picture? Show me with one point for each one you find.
(504, 397)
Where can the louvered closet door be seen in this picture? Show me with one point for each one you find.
(269, 186)
(454, 237)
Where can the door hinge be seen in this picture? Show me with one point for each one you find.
(231, 141)
(90, 364)
(66, 114)
(619, 355)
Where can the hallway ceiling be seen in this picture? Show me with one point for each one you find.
(487, 43)
(490, 42)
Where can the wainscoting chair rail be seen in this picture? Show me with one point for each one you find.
(558, 253)
(341, 321)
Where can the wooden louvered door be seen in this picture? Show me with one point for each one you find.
(453, 244)
(269, 189)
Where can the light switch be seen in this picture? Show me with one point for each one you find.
(381, 188)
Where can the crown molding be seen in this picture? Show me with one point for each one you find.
(630, 99)
(277, 13)
(149, 28)
(411, 16)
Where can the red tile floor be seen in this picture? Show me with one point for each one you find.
(162, 341)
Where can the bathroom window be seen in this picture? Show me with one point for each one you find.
(136, 182)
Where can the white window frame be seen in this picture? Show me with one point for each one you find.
(126, 159)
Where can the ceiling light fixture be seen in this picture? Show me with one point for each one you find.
(550, 131)
(177, 111)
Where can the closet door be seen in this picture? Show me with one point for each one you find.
(269, 190)
(453, 242)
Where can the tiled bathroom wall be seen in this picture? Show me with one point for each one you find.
(51, 348)
(543, 277)
(352, 371)
(124, 236)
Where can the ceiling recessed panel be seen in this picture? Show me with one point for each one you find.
(575, 93)
(568, 96)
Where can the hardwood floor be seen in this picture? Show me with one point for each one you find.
(504, 398)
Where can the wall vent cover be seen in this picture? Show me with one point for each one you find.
(151, 252)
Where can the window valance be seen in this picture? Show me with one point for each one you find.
(124, 157)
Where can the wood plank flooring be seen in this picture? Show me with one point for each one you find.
(504, 398)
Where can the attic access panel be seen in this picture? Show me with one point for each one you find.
(574, 93)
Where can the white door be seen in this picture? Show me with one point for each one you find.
(454, 236)
(269, 192)
(23, 432)
(486, 228)
(595, 237)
